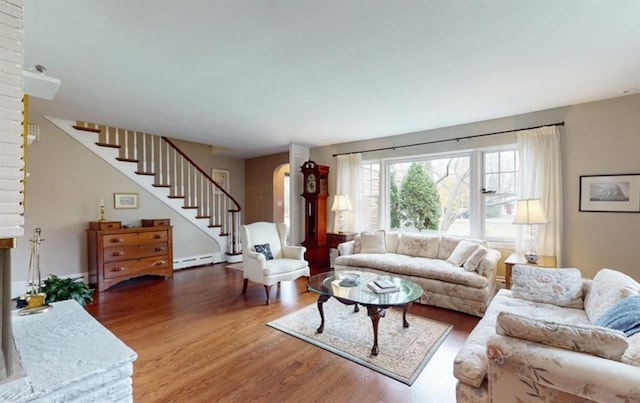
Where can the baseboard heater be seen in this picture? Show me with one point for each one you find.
(199, 260)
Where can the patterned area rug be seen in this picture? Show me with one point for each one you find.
(404, 352)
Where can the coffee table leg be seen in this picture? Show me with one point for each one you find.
(375, 313)
(404, 315)
(321, 300)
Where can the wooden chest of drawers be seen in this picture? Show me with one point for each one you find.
(116, 255)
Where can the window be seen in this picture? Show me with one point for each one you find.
(430, 193)
(370, 192)
(500, 193)
(435, 193)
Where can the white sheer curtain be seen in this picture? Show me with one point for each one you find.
(348, 175)
(540, 178)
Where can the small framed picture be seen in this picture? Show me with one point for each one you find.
(221, 177)
(610, 193)
(125, 200)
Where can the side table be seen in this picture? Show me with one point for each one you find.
(517, 258)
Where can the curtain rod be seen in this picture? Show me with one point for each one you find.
(445, 140)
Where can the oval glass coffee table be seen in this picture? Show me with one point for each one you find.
(352, 288)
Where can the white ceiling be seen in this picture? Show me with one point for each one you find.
(256, 75)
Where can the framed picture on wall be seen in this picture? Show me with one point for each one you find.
(221, 177)
(610, 193)
(125, 200)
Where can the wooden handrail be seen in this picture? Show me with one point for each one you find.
(196, 166)
(111, 137)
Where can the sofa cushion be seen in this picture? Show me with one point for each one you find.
(594, 340)
(462, 252)
(470, 364)
(448, 244)
(395, 263)
(372, 243)
(623, 316)
(608, 288)
(446, 247)
(562, 287)
(356, 243)
(473, 262)
(391, 241)
(632, 354)
(419, 245)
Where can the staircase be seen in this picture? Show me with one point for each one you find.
(158, 165)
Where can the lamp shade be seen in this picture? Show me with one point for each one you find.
(341, 203)
(529, 211)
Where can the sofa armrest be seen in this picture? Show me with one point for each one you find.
(346, 248)
(253, 263)
(293, 252)
(489, 265)
(539, 368)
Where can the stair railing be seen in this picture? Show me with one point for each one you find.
(171, 168)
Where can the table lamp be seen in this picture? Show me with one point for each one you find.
(341, 204)
(530, 212)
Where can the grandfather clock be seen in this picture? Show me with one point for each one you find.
(316, 190)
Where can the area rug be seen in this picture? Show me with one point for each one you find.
(404, 352)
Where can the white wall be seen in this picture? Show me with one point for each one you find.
(598, 138)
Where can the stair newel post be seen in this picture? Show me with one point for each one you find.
(233, 245)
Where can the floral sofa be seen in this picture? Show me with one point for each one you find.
(455, 273)
(555, 337)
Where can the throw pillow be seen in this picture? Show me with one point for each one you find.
(607, 289)
(473, 262)
(561, 287)
(265, 249)
(594, 340)
(623, 316)
(461, 253)
(372, 242)
(391, 241)
(356, 243)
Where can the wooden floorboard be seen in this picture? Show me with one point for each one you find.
(198, 339)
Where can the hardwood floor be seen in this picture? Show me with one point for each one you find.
(199, 339)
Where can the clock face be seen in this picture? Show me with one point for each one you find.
(311, 183)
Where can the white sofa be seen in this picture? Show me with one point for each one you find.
(542, 341)
(455, 273)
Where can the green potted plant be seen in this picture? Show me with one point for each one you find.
(60, 289)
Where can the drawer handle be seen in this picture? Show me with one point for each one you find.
(117, 269)
(116, 240)
(159, 249)
(120, 253)
(159, 263)
(157, 236)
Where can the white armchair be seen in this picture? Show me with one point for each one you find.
(287, 262)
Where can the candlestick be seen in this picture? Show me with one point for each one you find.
(102, 213)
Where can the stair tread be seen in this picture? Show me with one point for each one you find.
(107, 145)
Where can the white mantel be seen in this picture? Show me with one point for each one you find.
(68, 356)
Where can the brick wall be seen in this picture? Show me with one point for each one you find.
(11, 174)
(11, 109)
